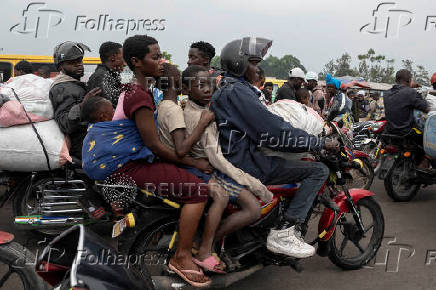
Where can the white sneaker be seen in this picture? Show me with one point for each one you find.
(289, 242)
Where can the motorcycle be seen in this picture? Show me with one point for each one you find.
(51, 201)
(16, 264)
(398, 167)
(361, 177)
(361, 131)
(80, 259)
(350, 218)
(372, 144)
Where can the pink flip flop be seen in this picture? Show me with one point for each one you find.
(209, 264)
(182, 275)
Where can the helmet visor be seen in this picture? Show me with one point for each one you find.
(255, 47)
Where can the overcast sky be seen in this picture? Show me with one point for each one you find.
(314, 31)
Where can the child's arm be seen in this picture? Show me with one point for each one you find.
(184, 144)
(209, 141)
(145, 123)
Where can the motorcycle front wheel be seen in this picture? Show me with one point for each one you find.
(362, 177)
(349, 248)
(396, 184)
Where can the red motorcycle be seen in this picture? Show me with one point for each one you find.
(350, 226)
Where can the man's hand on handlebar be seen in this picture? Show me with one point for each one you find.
(332, 145)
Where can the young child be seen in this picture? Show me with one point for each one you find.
(302, 95)
(97, 109)
(197, 84)
(172, 132)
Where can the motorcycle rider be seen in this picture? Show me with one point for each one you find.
(399, 103)
(68, 93)
(296, 79)
(245, 125)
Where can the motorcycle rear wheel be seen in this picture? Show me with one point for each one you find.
(26, 203)
(393, 183)
(153, 244)
(347, 228)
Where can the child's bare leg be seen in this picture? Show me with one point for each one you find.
(213, 219)
(182, 259)
(249, 213)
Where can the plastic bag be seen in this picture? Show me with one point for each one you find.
(430, 135)
(20, 149)
(431, 100)
(33, 92)
(298, 115)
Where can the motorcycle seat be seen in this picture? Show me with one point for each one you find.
(392, 136)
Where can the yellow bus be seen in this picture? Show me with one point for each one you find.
(277, 83)
(8, 61)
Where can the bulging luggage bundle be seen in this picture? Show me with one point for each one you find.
(22, 144)
(430, 135)
(33, 93)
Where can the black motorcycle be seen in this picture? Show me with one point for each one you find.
(80, 259)
(400, 156)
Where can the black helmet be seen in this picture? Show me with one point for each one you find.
(68, 50)
(236, 54)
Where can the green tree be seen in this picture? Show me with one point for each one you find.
(419, 75)
(166, 55)
(216, 62)
(371, 67)
(339, 67)
(422, 76)
(343, 66)
(279, 67)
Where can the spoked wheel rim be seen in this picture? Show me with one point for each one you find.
(400, 184)
(154, 247)
(362, 178)
(350, 244)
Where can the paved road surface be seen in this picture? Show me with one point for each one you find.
(410, 238)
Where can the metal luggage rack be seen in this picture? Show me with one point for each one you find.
(62, 197)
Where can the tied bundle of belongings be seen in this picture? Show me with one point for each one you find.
(109, 145)
(25, 100)
(431, 100)
(430, 135)
(299, 116)
(33, 93)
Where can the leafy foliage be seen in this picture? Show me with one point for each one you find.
(373, 67)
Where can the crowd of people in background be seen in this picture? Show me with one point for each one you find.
(175, 115)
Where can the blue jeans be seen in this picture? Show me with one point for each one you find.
(311, 175)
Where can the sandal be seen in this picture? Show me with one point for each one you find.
(209, 264)
(182, 275)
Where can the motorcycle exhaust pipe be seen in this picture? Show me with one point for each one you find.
(46, 221)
